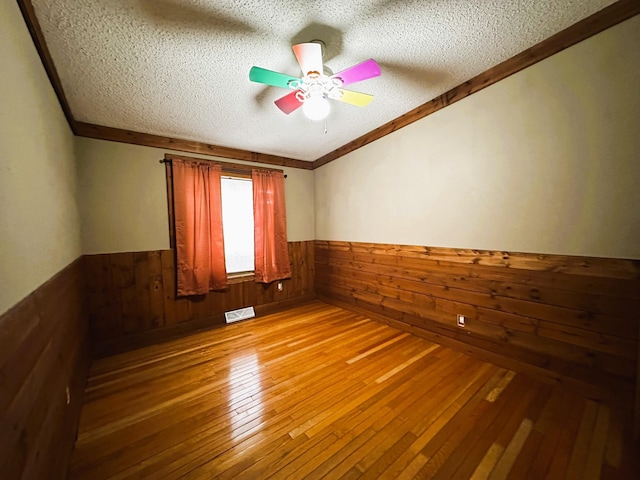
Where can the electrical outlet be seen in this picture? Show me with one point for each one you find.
(461, 320)
(279, 286)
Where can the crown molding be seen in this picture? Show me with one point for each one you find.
(88, 130)
(100, 132)
(608, 17)
(29, 15)
(596, 23)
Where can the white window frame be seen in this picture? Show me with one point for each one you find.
(246, 230)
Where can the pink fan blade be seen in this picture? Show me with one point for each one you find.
(289, 102)
(309, 56)
(357, 73)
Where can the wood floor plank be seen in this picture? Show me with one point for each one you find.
(508, 458)
(448, 458)
(400, 367)
(550, 427)
(503, 427)
(410, 462)
(559, 462)
(455, 417)
(615, 441)
(497, 390)
(395, 397)
(583, 439)
(320, 392)
(416, 412)
(598, 443)
(521, 466)
(488, 462)
(377, 348)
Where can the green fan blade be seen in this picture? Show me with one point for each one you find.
(269, 77)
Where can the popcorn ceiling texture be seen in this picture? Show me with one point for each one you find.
(179, 68)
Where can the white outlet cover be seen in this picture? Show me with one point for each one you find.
(461, 320)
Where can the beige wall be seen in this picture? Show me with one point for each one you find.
(547, 161)
(39, 222)
(123, 201)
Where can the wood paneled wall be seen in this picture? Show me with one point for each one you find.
(131, 297)
(570, 319)
(43, 350)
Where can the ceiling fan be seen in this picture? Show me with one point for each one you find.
(315, 87)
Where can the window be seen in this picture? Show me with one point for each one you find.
(237, 224)
(225, 221)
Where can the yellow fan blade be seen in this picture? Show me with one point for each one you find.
(355, 98)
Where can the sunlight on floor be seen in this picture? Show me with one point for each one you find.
(245, 393)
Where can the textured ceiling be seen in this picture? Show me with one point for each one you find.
(179, 68)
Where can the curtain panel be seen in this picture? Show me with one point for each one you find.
(270, 221)
(200, 265)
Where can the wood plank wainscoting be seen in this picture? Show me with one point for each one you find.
(132, 302)
(44, 349)
(571, 320)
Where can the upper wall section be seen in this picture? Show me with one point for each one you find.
(39, 222)
(544, 161)
(123, 198)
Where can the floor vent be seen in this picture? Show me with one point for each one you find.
(240, 314)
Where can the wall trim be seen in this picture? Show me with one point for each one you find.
(608, 17)
(570, 319)
(29, 15)
(110, 347)
(99, 132)
(592, 392)
(588, 27)
(131, 296)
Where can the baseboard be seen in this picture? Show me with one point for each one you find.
(131, 342)
(590, 391)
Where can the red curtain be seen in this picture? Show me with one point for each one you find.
(270, 219)
(197, 203)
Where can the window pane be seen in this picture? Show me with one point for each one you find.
(237, 220)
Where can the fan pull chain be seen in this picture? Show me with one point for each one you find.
(325, 126)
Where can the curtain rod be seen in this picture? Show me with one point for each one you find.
(226, 168)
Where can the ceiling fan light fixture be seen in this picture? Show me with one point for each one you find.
(318, 85)
(316, 107)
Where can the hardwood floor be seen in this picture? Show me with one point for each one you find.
(321, 392)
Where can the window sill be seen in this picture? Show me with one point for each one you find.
(240, 277)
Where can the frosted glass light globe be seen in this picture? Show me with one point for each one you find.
(316, 107)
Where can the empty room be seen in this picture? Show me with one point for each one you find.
(309, 240)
